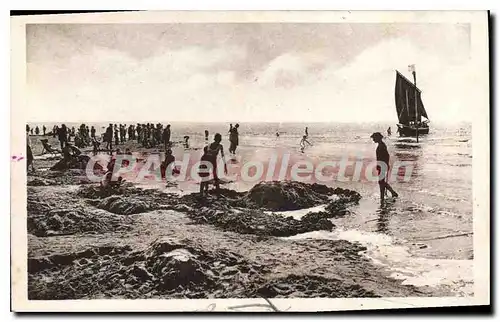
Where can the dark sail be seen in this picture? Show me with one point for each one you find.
(405, 101)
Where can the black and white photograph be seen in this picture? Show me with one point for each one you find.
(250, 161)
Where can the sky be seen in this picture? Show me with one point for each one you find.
(244, 72)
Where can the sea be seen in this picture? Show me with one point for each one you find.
(424, 237)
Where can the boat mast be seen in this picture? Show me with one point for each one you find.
(414, 72)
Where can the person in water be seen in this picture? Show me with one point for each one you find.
(213, 150)
(186, 141)
(206, 137)
(382, 157)
(306, 132)
(303, 143)
(233, 139)
(204, 171)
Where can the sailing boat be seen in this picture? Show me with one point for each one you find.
(409, 106)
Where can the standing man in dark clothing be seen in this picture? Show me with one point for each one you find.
(382, 171)
(233, 139)
(108, 136)
(62, 135)
(166, 137)
(44, 129)
(92, 132)
(117, 137)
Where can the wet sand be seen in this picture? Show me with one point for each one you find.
(151, 243)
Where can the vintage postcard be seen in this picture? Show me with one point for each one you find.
(250, 161)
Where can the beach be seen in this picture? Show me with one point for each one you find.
(271, 236)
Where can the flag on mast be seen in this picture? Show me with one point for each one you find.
(411, 68)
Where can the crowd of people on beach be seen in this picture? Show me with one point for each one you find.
(147, 135)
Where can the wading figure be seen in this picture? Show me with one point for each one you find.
(382, 157)
(233, 139)
(303, 143)
(204, 171)
(213, 150)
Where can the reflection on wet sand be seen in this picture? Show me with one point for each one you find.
(383, 216)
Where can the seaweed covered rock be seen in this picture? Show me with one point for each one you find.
(178, 267)
(71, 221)
(36, 181)
(287, 195)
(347, 196)
(258, 222)
(123, 205)
(76, 162)
(311, 286)
(171, 268)
(96, 192)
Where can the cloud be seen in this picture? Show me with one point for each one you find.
(201, 83)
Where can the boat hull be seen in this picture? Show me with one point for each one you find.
(405, 130)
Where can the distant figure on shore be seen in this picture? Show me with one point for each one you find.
(31, 131)
(55, 129)
(29, 153)
(383, 157)
(186, 141)
(306, 132)
(166, 137)
(204, 171)
(70, 158)
(37, 130)
(117, 135)
(108, 137)
(233, 139)
(212, 152)
(44, 129)
(169, 159)
(46, 147)
(62, 134)
(95, 145)
(92, 132)
(303, 143)
(27, 129)
(389, 131)
(206, 137)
